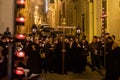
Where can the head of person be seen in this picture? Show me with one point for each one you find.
(18, 42)
(66, 40)
(71, 39)
(3, 39)
(109, 39)
(37, 41)
(83, 41)
(114, 45)
(55, 40)
(98, 39)
(76, 39)
(83, 37)
(107, 35)
(94, 38)
(50, 39)
(61, 38)
(28, 38)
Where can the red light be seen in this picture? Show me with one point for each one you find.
(21, 2)
(19, 71)
(20, 54)
(20, 36)
(20, 19)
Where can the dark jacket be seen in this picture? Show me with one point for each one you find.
(113, 69)
(34, 60)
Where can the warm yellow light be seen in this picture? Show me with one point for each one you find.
(36, 7)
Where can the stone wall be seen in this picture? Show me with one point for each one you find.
(113, 18)
(6, 15)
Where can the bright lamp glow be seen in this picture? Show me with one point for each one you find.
(20, 2)
(19, 71)
(20, 36)
(20, 19)
(20, 54)
(36, 7)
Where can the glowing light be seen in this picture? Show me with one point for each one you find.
(19, 71)
(20, 36)
(36, 7)
(20, 54)
(20, 1)
(46, 5)
(20, 19)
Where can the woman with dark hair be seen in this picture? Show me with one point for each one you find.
(34, 60)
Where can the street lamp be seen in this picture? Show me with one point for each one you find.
(78, 31)
(34, 30)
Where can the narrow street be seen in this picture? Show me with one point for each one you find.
(41, 39)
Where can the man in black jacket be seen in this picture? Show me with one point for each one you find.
(95, 53)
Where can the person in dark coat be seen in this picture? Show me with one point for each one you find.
(113, 67)
(67, 55)
(60, 51)
(101, 51)
(108, 47)
(95, 53)
(34, 60)
(4, 45)
(49, 51)
(43, 55)
(4, 53)
(70, 54)
(2, 65)
(85, 52)
(76, 57)
(55, 69)
(26, 45)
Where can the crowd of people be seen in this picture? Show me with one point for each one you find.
(62, 55)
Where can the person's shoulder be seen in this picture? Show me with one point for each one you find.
(118, 51)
